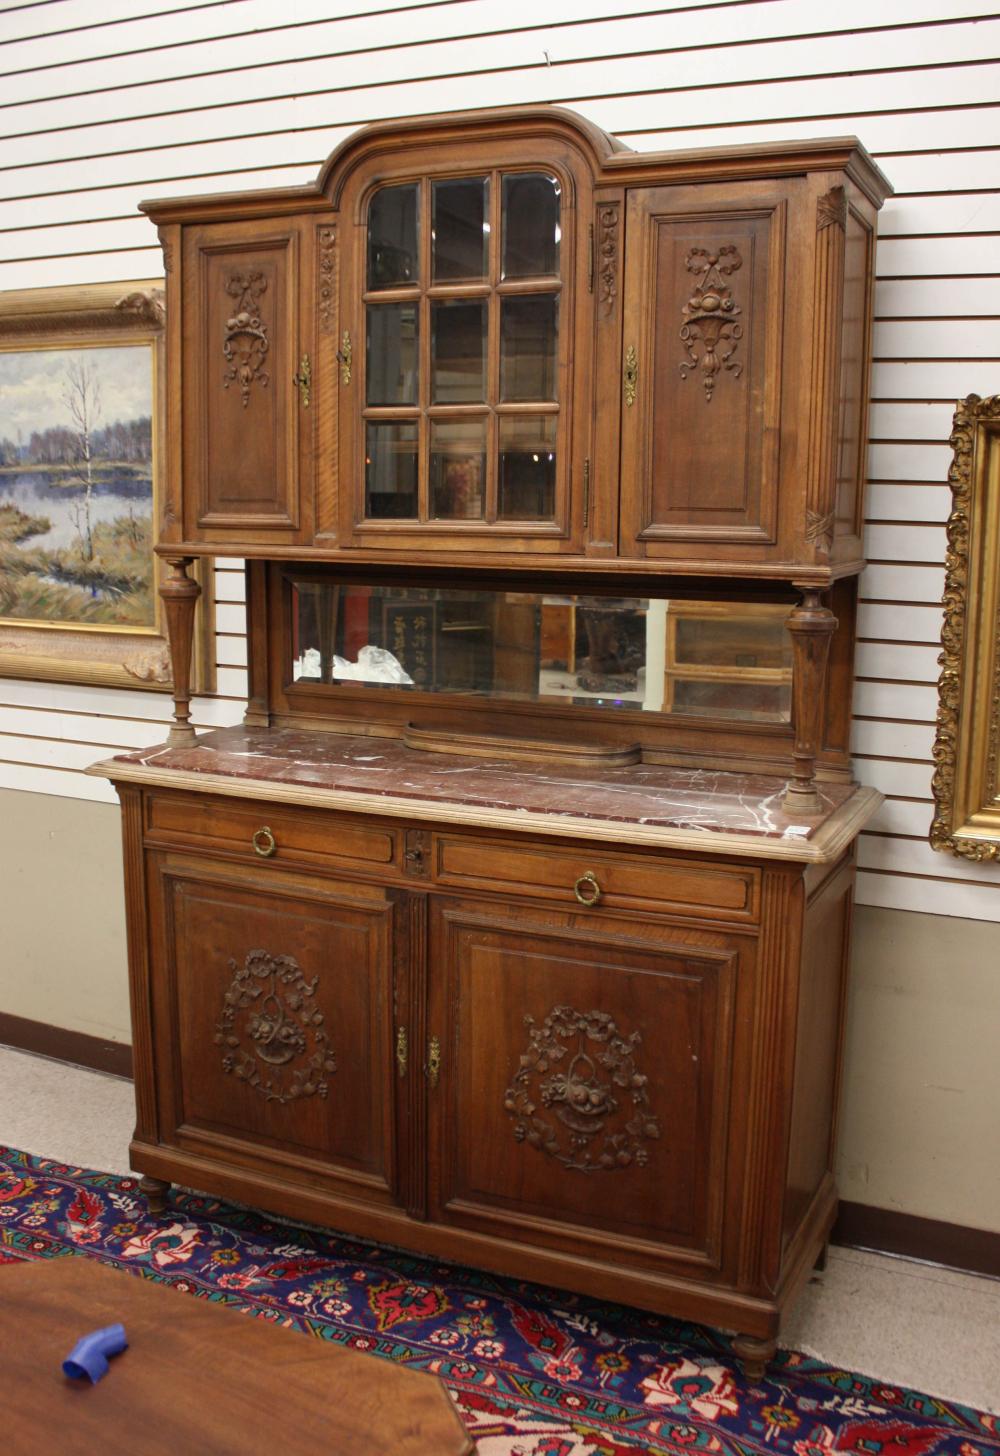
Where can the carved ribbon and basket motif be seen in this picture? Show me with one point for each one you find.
(579, 1096)
(272, 1032)
(711, 331)
(246, 343)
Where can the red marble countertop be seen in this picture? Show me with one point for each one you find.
(700, 802)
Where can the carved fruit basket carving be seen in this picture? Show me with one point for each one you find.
(579, 1096)
(273, 1035)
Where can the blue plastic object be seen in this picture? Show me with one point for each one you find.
(89, 1356)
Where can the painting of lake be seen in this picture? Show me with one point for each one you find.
(76, 485)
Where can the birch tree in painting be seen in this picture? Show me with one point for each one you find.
(82, 397)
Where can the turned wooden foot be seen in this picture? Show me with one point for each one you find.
(754, 1355)
(155, 1191)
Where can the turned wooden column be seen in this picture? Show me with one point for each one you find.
(812, 625)
(180, 594)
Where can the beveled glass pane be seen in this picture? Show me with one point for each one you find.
(393, 256)
(460, 229)
(458, 351)
(528, 336)
(458, 469)
(530, 226)
(391, 469)
(527, 488)
(393, 359)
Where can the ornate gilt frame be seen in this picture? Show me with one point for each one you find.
(965, 785)
(108, 656)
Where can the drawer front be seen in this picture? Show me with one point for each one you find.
(269, 832)
(579, 875)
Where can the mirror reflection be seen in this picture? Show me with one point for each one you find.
(727, 660)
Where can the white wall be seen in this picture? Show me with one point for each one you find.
(98, 109)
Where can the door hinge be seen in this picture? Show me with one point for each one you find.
(631, 375)
(433, 1061)
(303, 380)
(586, 493)
(345, 354)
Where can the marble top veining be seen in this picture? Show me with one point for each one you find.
(706, 801)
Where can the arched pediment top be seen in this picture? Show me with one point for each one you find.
(552, 123)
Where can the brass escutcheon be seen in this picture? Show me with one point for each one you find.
(264, 842)
(588, 882)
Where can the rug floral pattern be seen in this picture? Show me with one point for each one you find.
(533, 1371)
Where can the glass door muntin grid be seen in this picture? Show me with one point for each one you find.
(473, 429)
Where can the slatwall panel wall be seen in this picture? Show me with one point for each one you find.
(101, 105)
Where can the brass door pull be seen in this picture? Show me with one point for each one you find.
(433, 1061)
(402, 1050)
(586, 889)
(264, 842)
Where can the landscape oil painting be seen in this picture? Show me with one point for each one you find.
(76, 485)
(81, 489)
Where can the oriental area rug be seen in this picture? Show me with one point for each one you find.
(533, 1371)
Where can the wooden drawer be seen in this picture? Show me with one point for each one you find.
(300, 836)
(626, 881)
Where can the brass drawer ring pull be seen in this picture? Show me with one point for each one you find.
(586, 889)
(264, 842)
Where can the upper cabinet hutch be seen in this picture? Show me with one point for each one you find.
(513, 924)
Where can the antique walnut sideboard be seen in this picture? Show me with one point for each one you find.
(512, 926)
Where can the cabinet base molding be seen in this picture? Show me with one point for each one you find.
(658, 1293)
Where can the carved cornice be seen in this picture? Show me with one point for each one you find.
(954, 738)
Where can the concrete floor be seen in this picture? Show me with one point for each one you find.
(905, 1323)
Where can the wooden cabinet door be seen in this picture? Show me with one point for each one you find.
(245, 438)
(272, 1024)
(584, 1083)
(712, 365)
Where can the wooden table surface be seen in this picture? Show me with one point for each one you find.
(197, 1377)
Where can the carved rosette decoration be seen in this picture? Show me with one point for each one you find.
(607, 247)
(246, 343)
(710, 332)
(579, 1096)
(327, 254)
(945, 752)
(273, 1035)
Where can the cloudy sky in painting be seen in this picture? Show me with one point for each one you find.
(33, 382)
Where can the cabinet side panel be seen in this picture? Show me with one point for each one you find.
(818, 1037)
(854, 374)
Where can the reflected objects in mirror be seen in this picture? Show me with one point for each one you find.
(718, 659)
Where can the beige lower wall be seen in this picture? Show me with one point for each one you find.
(921, 1113)
(920, 1119)
(62, 928)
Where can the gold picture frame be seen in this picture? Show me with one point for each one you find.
(44, 641)
(965, 784)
